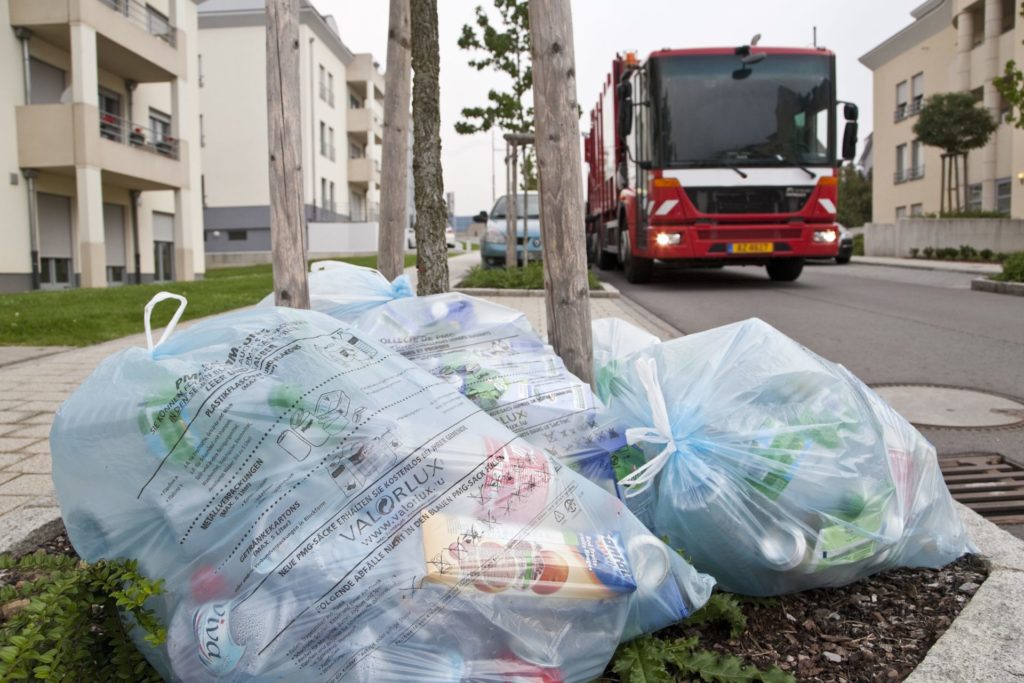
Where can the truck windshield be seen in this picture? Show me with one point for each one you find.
(710, 110)
(531, 202)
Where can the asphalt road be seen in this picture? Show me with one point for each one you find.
(885, 324)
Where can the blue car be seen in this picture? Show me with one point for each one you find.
(494, 239)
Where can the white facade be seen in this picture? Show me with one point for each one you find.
(952, 45)
(96, 133)
(341, 123)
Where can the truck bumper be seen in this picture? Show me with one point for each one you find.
(740, 243)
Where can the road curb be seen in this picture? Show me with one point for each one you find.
(984, 284)
(608, 292)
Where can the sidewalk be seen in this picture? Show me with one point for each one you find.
(34, 381)
(926, 264)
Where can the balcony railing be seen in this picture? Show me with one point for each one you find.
(915, 172)
(135, 135)
(146, 18)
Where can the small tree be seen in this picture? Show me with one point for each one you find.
(506, 49)
(431, 216)
(952, 122)
(854, 197)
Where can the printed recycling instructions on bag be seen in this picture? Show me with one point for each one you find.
(489, 353)
(280, 471)
(773, 469)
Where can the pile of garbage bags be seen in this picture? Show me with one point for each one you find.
(392, 487)
(321, 508)
(773, 469)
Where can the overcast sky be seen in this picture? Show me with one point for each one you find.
(603, 27)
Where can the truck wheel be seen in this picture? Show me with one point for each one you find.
(638, 270)
(785, 269)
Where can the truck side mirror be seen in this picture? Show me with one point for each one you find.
(625, 96)
(850, 141)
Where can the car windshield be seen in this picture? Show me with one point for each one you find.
(712, 110)
(531, 202)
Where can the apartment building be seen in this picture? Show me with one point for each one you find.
(96, 130)
(341, 118)
(952, 45)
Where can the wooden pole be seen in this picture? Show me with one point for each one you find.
(513, 207)
(526, 212)
(556, 114)
(287, 215)
(394, 164)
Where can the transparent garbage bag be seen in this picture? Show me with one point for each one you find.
(773, 469)
(489, 352)
(321, 509)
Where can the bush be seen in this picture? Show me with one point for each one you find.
(858, 244)
(950, 253)
(1002, 256)
(967, 252)
(1013, 268)
(64, 624)
(986, 254)
(530, 277)
(914, 251)
(974, 214)
(929, 252)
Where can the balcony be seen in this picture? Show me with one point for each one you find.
(364, 121)
(132, 40)
(905, 110)
(913, 173)
(363, 170)
(59, 137)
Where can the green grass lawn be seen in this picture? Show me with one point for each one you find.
(79, 317)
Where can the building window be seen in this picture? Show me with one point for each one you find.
(354, 102)
(237, 235)
(160, 131)
(333, 206)
(55, 271)
(901, 101)
(901, 212)
(916, 161)
(163, 261)
(978, 94)
(330, 89)
(323, 192)
(901, 164)
(977, 24)
(199, 69)
(323, 139)
(323, 83)
(916, 93)
(974, 197)
(330, 143)
(356, 151)
(47, 82)
(917, 209)
(115, 274)
(1009, 15)
(110, 114)
(202, 132)
(1003, 190)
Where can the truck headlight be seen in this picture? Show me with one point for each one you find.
(825, 236)
(664, 239)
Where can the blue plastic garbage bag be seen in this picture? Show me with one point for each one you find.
(773, 469)
(489, 353)
(321, 509)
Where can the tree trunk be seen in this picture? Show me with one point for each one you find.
(394, 165)
(287, 217)
(942, 185)
(510, 233)
(967, 185)
(956, 174)
(432, 251)
(556, 114)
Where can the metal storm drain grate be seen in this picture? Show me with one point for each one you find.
(988, 484)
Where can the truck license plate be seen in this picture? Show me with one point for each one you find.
(751, 248)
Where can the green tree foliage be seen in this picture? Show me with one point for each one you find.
(1011, 86)
(953, 123)
(854, 197)
(505, 48)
